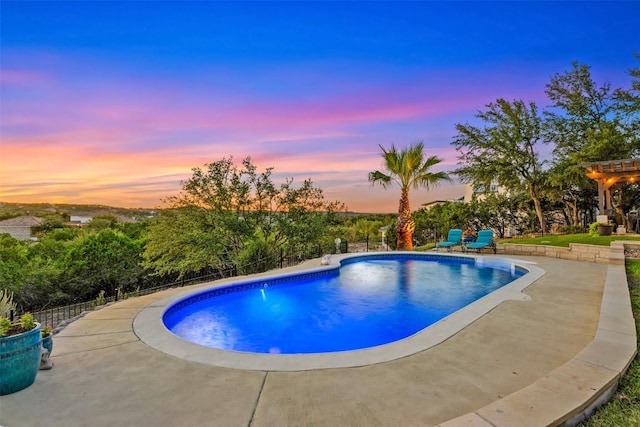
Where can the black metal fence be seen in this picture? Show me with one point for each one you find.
(58, 316)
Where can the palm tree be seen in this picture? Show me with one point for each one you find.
(409, 169)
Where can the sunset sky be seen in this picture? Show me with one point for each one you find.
(114, 102)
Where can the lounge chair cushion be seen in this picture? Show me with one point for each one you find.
(454, 238)
(485, 239)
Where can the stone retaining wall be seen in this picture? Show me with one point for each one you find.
(613, 254)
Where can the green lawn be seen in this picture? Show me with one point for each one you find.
(623, 410)
(556, 240)
(564, 240)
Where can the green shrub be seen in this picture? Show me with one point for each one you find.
(593, 228)
(100, 299)
(5, 325)
(27, 322)
(6, 302)
(572, 229)
(256, 257)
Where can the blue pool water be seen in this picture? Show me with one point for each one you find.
(368, 301)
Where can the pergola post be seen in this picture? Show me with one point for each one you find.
(601, 204)
(608, 173)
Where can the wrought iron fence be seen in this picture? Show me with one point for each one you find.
(58, 316)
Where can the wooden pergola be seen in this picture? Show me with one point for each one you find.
(609, 173)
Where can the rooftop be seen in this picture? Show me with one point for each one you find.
(21, 221)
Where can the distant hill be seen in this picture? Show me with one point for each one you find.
(10, 210)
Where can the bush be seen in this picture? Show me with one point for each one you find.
(6, 303)
(593, 228)
(256, 257)
(573, 229)
(27, 322)
(392, 237)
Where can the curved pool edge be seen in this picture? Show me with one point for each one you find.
(149, 327)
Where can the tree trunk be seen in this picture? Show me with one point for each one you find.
(619, 214)
(536, 203)
(572, 205)
(405, 225)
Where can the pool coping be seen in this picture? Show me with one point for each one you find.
(150, 329)
(102, 370)
(571, 393)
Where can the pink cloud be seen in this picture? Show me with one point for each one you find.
(15, 77)
(128, 140)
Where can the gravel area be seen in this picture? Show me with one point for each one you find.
(632, 252)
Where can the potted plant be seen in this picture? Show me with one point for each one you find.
(47, 348)
(20, 353)
(601, 229)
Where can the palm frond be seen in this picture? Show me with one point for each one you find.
(409, 168)
(377, 177)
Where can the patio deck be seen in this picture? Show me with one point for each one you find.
(532, 363)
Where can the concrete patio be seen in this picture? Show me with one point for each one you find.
(525, 363)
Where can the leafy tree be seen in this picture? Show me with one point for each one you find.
(358, 227)
(569, 185)
(428, 225)
(301, 215)
(41, 287)
(588, 122)
(584, 121)
(409, 169)
(101, 222)
(33, 271)
(258, 255)
(134, 230)
(433, 223)
(504, 150)
(46, 266)
(362, 228)
(61, 234)
(224, 208)
(629, 100)
(106, 260)
(51, 222)
(391, 236)
(184, 240)
(500, 213)
(14, 266)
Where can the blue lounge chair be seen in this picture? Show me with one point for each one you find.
(454, 238)
(484, 240)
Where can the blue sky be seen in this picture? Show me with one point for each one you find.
(115, 102)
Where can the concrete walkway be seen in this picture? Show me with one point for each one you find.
(104, 375)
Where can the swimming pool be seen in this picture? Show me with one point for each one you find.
(369, 301)
(150, 328)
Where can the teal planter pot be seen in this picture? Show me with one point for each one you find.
(47, 342)
(19, 360)
(45, 362)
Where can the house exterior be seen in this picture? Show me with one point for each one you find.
(80, 219)
(20, 227)
(481, 193)
(427, 206)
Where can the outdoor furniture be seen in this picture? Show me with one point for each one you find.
(484, 240)
(454, 238)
